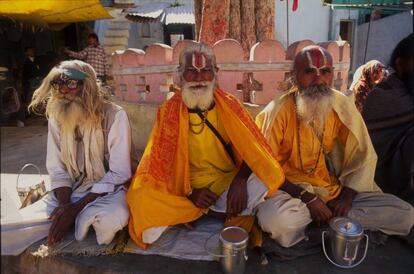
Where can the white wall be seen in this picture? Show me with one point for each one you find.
(135, 39)
(384, 35)
(156, 28)
(342, 14)
(309, 21)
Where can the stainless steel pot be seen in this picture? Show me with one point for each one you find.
(233, 242)
(344, 237)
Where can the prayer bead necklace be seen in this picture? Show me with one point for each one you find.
(312, 170)
(201, 124)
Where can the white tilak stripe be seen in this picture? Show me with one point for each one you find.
(311, 65)
(203, 65)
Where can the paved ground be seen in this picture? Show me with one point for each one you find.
(28, 144)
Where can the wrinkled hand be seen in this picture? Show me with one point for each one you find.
(341, 205)
(203, 197)
(63, 218)
(236, 197)
(63, 195)
(319, 211)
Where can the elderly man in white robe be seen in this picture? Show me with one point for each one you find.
(88, 159)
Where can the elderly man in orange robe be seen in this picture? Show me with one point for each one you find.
(199, 157)
(308, 127)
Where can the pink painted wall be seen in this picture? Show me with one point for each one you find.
(267, 52)
(134, 87)
(229, 51)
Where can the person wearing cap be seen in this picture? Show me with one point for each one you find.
(202, 149)
(322, 143)
(89, 151)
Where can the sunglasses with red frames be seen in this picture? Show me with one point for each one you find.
(70, 83)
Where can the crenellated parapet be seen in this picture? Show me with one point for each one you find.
(146, 77)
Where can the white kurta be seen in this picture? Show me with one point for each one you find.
(107, 214)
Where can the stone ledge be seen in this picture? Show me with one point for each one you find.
(28, 264)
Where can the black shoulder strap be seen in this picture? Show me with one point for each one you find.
(227, 146)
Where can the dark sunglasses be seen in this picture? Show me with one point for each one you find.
(70, 83)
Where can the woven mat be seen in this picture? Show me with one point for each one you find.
(181, 243)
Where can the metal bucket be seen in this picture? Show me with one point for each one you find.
(233, 242)
(344, 237)
(30, 194)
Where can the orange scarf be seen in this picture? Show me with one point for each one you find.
(157, 195)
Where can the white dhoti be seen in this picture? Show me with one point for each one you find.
(107, 215)
(286, 218)
(256, 192)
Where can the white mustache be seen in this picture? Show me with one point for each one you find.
(198, 94)
(196, 85)
(315, 91)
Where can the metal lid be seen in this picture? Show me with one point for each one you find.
(234, 236)
(346, 226)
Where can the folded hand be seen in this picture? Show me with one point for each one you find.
(319, 211)
(341, 205)
(236, 197)
(63, 218)
(203, 197)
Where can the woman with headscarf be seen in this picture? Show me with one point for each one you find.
(365, 78)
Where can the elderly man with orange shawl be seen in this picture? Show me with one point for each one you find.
(323, 146)
(201, 151)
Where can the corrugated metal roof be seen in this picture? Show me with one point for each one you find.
(152, 10)
(369, 4)
(162, 11)
(179, 15)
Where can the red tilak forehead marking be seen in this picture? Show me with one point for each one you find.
(316, 59)
(199, 60)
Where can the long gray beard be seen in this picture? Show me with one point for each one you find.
(314, 105)
(200, 98)
(72, 119)
(68, 114)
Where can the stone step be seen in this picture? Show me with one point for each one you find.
(119, 18)
(124, 2)
(118, 25)
(117, 33)
(111, 41)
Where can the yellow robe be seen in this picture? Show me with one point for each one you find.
(285, 145)
(346, 142)
(158, 192)
(210, 164)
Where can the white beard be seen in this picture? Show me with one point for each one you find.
(72, 119)
(70, 116)
(198, 97)
(68, 113)
(314, 105)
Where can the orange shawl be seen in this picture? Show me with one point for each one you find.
(157, 195)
